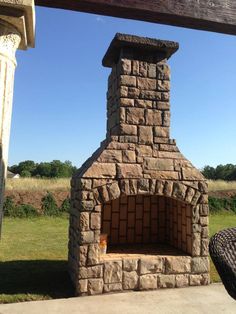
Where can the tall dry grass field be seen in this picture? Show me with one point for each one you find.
(32, 184)
(220, 185)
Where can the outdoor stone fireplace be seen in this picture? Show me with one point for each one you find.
(137, 188)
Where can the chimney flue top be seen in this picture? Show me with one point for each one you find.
(140, 48)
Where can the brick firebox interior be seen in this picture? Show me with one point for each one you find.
(137, 188)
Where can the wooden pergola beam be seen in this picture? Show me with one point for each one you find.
(210, 15)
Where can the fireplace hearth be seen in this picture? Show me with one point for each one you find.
(137, 189)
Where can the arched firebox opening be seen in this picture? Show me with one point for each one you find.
(144, 224)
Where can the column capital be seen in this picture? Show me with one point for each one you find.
(19, 17)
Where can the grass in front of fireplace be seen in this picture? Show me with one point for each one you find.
(33, 257)
(217, 222)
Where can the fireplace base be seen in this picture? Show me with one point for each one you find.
(163, 267)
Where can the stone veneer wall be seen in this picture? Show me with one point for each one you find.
(137, 158)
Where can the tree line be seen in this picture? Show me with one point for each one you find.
(53, 169)
(220, 172)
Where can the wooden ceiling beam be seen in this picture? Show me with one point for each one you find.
(210, 15)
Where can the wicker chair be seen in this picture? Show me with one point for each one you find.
(222, 249)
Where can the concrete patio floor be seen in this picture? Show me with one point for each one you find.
(210, 299)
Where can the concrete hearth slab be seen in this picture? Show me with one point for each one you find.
(210, 299)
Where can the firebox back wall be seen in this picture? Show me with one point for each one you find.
(148, 219)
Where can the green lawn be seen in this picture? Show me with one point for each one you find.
(33, 257)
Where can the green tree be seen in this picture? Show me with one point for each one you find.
(209, 172)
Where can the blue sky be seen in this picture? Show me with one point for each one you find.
(59, 109)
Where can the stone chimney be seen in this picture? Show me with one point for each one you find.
(137, 188)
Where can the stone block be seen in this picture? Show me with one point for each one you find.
(85, 184)
(182, 281)
(152, 70)
(125, 66)
(179, 190)
(150, 95)
(146, 83)
(113, 191)
(196, 198)
(195, 215)
(129, 139)
(130, 280)
(196, 244)
(129, 156)
(86, 237)
(163, 85)
(93, 254)
(204, 221)
(133, 92)
(200, 265)
(160, 187)
(91, 272)
(82, 286)
(166, 281)
(148, 282)
(113, 287)
(162, 175)
(95, 221)
(113, 272)
(128, 80)
(163, 72)
(84, 221)
(189, 195)
(153, 117)
(135, 67)
(162, 131)
(101, 170)
(165, 96)
(168, 188)
(130, 265)
(83, 251)
(204, 210)
(190, 174)
(123, 91)
(158, 164)
(110, 156)
(103, 193)
(205, 247)
(205, 232)
(143, 103)
(133, 187)
(122, 114)
(95, 286)
(143, 68)
(129, 171)
(86, 205)
(151, 265)
(199, 280)
(166, 119)
(127, 129)
(126, 102)
(145, 135)
(144, 150)
(178, 264)
(135, 116)
(162, 105)
(143, 186)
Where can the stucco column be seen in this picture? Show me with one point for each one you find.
(9, 41)
(16, 31)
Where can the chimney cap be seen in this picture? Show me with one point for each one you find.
(142, 45)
